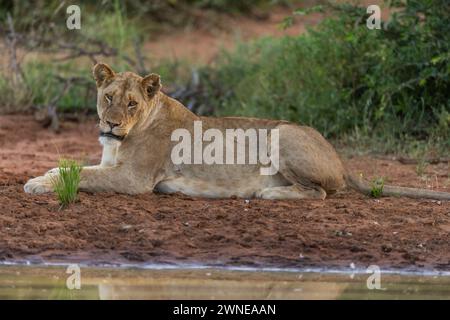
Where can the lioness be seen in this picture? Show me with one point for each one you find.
(136, 124)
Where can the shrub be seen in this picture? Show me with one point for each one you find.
(15, 96)
(39, 15)
(46, 74)
(44, 85)
(345, 79)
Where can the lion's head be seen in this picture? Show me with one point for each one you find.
(122, 98)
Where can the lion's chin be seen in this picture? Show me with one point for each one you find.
(111, 135)
(110, 140)
(105, 141)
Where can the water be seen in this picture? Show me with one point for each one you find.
(49, 282)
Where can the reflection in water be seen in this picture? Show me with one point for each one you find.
(31, 282)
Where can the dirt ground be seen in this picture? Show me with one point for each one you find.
(155, 228)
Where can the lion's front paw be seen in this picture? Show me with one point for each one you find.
(42, 184)
(52, 171)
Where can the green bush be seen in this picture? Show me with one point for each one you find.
(45, 76)
(44, 85)
(43, 15)
(345, 79)
(15, 96)
(112, 29)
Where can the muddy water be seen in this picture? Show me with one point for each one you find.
(31, 282)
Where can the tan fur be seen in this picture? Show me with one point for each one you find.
(309, 166)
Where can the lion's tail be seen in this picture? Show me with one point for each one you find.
(364, 187)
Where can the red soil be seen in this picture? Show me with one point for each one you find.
(345, 228)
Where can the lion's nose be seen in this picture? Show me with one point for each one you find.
(112, 124)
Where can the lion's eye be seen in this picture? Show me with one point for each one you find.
(108, 98)
(132, 104)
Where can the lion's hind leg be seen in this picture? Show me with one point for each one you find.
(308, 161)
(291, 193)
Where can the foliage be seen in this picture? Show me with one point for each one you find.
(346, 79)
(112, 31)
(60, 55)
(15, 97)
(42, 15)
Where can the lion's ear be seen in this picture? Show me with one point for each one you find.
(152, 84)
(102, 72)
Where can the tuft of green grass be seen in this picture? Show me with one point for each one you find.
(377, 186)
(66, 183)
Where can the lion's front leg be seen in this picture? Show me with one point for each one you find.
(95, 179)
(109, 156)
(45, 183)
(118, 179)
(41, 184)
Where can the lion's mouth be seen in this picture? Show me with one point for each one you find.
(111, 135)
